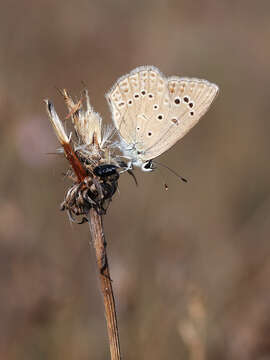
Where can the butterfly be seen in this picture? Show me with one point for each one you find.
(152, 112)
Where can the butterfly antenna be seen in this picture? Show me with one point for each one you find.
(171, 170)
(166, 187)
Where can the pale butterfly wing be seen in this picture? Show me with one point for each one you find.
(132, 101)
(152, 113)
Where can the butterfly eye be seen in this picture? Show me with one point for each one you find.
(149, 133)
(143, 92)
(138, 128)
(192, 113)
(160, 117)
(191, 104)
(130, 102)
(155, 107)
(150, 96)
(136, 95)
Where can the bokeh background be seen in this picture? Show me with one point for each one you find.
(190, 265)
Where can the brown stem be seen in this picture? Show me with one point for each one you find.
(75, 162)
(98, 239)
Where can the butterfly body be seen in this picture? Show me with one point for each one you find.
(152, 112)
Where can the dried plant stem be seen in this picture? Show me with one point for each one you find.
(99, 243)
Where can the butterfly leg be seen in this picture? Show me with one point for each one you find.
(127, 166)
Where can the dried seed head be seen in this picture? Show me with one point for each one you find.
(92, 159)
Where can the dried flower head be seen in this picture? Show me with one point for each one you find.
(92, 156)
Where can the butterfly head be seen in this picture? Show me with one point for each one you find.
(147, 166)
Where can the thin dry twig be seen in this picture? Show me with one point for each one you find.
(99, 243)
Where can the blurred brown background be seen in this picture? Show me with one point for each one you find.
(191, 265)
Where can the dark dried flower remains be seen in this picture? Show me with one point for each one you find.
(94, 191)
